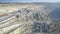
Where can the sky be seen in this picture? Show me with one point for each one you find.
(29, 0)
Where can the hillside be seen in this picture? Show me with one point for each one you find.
(29, 18)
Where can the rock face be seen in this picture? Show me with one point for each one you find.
(30, 20)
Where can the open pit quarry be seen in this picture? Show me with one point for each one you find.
(27, 19)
